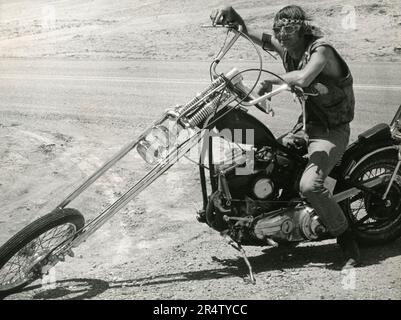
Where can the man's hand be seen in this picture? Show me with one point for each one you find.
(227, 15)
(297, 140)
(267, 87)
(223, 16)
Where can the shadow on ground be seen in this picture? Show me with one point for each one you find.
(324, 256)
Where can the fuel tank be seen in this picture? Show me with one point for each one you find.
(239, 120)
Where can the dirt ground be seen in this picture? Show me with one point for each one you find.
(154, 248)
(363, 30)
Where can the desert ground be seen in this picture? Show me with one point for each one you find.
(81, 79)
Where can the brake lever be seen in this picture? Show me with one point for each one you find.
(266, 106)
(299, 93)
(269, 108)
(310, 94)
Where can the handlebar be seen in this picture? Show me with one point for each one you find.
(237, 29)
(256, 99)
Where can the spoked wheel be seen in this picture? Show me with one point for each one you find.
(35, 249)
(376, 221)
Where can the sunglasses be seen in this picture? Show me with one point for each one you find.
(287, 29)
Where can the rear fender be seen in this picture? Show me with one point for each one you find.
(370, 143)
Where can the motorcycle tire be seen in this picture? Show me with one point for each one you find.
(30, 244)
(375, 221)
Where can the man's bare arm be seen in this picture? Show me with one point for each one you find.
(255, 35)
(304, 77)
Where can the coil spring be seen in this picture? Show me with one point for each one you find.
(203, 113)
(199, 96)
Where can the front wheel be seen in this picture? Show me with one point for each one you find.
(25, 257)
(375, 221)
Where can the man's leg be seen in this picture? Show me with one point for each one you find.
(323, 155)
(324, 152)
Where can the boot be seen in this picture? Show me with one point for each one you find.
(350, 249)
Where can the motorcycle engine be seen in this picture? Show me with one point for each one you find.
(289, 224)
(249, 205)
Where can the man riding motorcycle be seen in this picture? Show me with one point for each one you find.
(313, 64)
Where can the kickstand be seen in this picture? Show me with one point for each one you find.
(239, 248)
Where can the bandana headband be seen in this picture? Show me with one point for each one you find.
(308, 28)
(285, 21)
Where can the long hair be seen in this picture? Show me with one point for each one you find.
(291, 12)
(294, 12)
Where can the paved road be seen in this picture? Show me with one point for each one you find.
(142, 89)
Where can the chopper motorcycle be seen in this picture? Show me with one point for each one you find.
(251, 196)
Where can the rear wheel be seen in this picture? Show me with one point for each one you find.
(40, 245)
(375, 221)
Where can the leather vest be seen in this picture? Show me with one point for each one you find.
(335, 102)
